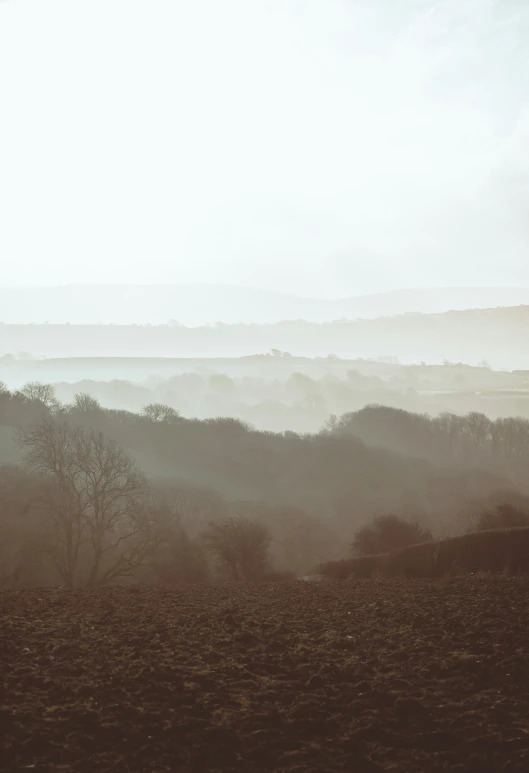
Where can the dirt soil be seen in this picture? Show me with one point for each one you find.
(361, 676)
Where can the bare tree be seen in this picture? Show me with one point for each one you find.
(161, 413)
(240, 546)
(510, 438)
(331, 425)
(95, 499)
(447, 429)
(178, 556)
(85, 403)
(43, 393)
(478, 428)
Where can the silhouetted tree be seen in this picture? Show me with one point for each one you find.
(93, 495)
(331, 424)
(161, 413)
(177, 558)
(478, 429)
(44, 393)
(85, 403)
(510, 438)
(240, 547)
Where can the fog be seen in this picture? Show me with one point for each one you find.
(264, 385)
(498, 336)
(310, 492)
(238, 233)
(316, 149)
(201, 304)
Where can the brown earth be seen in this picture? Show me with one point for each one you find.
(361, 676)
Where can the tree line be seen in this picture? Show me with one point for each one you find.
(233, 503)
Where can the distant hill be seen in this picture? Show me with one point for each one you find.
(202, 304)
(499, 335)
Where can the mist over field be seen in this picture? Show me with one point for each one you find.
(252, 252)
(264, 386)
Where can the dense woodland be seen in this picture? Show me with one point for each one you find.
(175, 495)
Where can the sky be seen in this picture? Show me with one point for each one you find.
(315, 147)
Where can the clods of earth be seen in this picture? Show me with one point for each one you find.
(365, 676)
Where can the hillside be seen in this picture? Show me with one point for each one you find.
(275, 393)
(201, 304)
(500, 335)
(375, 461)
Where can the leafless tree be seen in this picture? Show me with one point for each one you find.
(85, 403)
(331, 424)
(240, 547)
(95, 500)
(510, 438)
(447, 429)
(178, 556)
(161, 413)
(478, 429)
(43, 393)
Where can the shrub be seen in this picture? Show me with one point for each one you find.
(386, 533)
(496, 550)
(240, 547)
(413, 561)
(159, 412)
(504, 516)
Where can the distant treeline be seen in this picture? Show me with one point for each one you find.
(302, 403)
(279, 392)
(310, 492)
(457, 335)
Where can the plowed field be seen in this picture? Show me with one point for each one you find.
(358, 676)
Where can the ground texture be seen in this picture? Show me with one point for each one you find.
(358, 676)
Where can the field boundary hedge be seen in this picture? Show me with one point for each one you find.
(494, 550)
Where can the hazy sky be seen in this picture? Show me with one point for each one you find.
(313, 146)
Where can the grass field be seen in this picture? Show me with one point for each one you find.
(362, 675)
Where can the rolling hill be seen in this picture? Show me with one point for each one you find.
(500, 335)
(202, 304)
